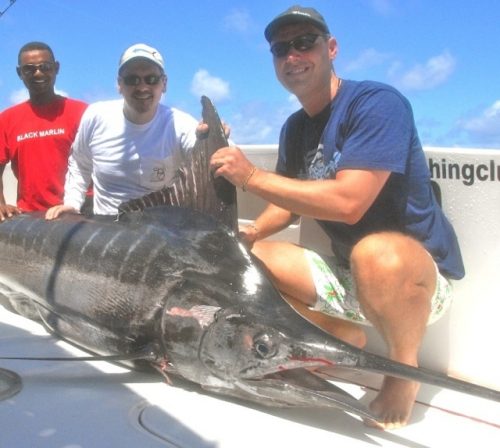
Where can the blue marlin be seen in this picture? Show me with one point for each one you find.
(167, 284)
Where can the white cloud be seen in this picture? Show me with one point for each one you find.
(367, 58)
(260, 122)
(250, 130)
(486, 126)
(238, 20)
(21, 95)
(62, 93)
(425, 76)
(293, 103)
(383, 7)
(205, 84)
(18, 96)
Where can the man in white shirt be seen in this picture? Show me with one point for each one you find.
(131, 146)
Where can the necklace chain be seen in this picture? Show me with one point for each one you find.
(339, 82)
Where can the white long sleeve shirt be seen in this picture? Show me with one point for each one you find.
(125, 160)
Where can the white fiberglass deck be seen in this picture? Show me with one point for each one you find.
(97, 404)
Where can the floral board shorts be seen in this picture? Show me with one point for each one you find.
(336, 294)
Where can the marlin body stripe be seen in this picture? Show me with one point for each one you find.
(173, 287)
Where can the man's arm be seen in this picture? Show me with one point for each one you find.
(343, 199)
(75, 188)
(2, 197)
(6, 210)
(270, 221)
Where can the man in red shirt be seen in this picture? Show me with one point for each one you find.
(36, 135)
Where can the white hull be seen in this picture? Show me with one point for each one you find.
(96, 404)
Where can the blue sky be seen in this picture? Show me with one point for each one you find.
(443, 55)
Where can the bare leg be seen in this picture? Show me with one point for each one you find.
(289, 270)
(395, 279)
(342, 329)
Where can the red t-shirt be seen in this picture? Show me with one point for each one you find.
(37, 141)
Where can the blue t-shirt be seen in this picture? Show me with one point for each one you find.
(370, 126)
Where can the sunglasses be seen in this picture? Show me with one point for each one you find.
(135, 80)
(31, 69)
(302, 43)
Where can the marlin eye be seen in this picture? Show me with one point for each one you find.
(263, 346)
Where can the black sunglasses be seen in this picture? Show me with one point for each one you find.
(135, 80)
(31, 69)
(300, 43)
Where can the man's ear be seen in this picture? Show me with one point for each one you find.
(332, 48)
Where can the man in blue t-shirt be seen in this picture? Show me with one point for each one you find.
(350, 158)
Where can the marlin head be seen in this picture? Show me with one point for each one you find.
(246, 341)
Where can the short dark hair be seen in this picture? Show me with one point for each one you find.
(30, 46)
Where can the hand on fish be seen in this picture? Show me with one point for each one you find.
(202, 129)
(8, 211)
(58, 210)
(231, 163)
(248, 234)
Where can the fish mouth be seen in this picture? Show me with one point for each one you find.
(302, 388)
(292, 364)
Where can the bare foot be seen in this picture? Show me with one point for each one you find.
(394, 403)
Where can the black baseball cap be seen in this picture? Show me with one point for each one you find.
(296, 14)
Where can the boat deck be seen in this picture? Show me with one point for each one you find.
(98, 404)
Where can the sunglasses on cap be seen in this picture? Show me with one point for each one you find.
(301, 43)
(31, 69)
(135, 80)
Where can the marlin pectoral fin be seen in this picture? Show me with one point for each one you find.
(19, 302)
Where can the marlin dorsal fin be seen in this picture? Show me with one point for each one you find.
(195, 187)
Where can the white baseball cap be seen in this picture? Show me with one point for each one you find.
(141, 51)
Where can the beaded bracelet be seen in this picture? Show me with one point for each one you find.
(245, 182)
